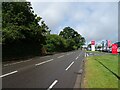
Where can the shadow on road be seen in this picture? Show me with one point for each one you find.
(108, 69)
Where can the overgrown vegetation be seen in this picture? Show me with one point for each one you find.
(22, 35)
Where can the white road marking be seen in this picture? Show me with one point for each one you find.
(13, 63)
(8, 74)
(47, 56)
(53, 84)
(69, 66)
(44, 62)
(42, 57)
(68, 54)
(27, 60)
(17, 62)
(60, 56)
(76, 58)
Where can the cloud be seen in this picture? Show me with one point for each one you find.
(92, 20)
(73, 0)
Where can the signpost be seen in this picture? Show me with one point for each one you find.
(114, 48)
(92, 42)
(92, 45)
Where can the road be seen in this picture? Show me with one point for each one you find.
(54, 71)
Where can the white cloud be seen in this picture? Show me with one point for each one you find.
(96, 21)
(73, 0)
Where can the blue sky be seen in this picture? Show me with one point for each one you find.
(93, 20)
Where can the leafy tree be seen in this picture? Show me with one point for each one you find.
(20, 29)
(55, 43)
(74, 39)
(89, 46)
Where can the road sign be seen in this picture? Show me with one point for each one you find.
(114, 48)
(92, 42)
(92, 45)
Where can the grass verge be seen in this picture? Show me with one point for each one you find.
(100, 72)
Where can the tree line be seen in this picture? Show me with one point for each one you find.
(22, 35)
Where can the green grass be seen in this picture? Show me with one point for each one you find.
(97, 76)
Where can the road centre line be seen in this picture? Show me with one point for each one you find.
(8, 74)
(44, 62)
(68, 54)
(69, 66)
(53, 84)
(76, 58)
(60, 56)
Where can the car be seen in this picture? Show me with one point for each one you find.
(110, 50)
(118, 50)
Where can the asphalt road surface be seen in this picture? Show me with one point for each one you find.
(53, 71)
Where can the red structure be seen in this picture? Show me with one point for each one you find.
(109, 43)
(92, 42)
(114, 48)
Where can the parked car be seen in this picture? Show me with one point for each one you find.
(110, 50)
(118, 50)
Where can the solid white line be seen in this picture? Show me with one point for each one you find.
(69, 66)
(8, 74)
(76, 58)
(51, 86)
(43, 62)
(60, 56)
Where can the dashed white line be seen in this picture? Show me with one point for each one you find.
(68, 54)
(60, 56)
(69, 66)
(27, 60)
(44, 62)
(76, 58)
(47, 56)
(53, 84)
(8, 74)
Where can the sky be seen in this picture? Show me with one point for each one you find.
(93, 20)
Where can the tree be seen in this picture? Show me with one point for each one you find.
(55, 43)
(74, 39)
(20, 28)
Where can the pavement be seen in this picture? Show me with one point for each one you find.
(96, 53)
(52, 71)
